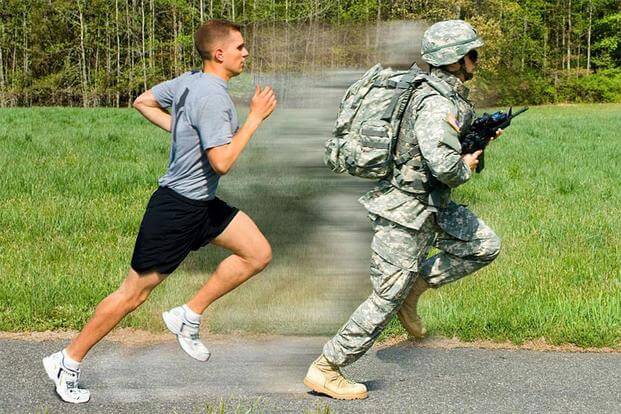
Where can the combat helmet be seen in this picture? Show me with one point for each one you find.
(448, 41)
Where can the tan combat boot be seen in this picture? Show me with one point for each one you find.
(326, 378)
(407, 314)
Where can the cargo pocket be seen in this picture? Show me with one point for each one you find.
(389, 281)
(458, 221)
(394, 244)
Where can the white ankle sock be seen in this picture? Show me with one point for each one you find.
(191, 315)
(70, 363)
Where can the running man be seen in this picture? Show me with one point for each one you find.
(184, 213)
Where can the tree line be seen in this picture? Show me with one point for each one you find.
(105, 52)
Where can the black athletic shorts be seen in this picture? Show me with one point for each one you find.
(174, 225)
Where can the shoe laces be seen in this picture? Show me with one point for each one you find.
(343, 380)
(72, 385)
(337, 375)
(347, 380)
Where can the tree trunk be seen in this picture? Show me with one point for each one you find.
(193, 27)
(545, 48)
(524, 34)
(14, 61)
(181, 55)
(130, 57)
(25, 57)
(254, 35)
(174, 43)
(367, 43)
(108, 61)
(118, 53)
(152, 37)
(589, 35)
(563, 43)
(378, 18)
(338, 12)
(83, 58)
(95, 98)
(556, 43)
(315, 38)
(273, 39)
(144, 51)
(287, 54)
(96, 54)
(569, 36)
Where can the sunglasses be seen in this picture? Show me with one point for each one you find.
(473, 55)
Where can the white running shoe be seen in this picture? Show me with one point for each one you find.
(187, 333)
(65, 379)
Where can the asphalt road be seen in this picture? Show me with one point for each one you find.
(265, 374)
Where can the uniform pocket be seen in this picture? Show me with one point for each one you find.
(395, 244)
(389, 281)
(458, 221)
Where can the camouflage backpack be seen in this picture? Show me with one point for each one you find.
(368, 122)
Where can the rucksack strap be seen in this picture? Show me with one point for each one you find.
(409, 157)
(440, 86)
(385, 83)
(403, 90)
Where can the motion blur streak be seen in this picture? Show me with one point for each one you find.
(319, 233)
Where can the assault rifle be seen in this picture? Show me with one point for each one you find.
(483, 130)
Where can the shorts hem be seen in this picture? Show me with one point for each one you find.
(224, 225)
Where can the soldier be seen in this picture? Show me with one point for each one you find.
(412, 211)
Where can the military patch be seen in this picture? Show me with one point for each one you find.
(453, 122)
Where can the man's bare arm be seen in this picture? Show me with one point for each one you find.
(148, 106)
(223, 157)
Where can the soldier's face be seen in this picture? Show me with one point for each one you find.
(470, 61)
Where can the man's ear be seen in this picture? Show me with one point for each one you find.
(218, 54)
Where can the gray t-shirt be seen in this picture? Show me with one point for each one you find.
(203, 116)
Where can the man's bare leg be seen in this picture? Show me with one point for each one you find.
(251, 254)
(132, 293)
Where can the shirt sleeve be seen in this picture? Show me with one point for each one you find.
(439, 142)
(164, 93)
(212, 119)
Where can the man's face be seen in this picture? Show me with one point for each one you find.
(470, 61)
(233, 53)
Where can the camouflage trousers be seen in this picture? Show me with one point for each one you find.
(399, 256)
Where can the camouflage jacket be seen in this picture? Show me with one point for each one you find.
(428, 157)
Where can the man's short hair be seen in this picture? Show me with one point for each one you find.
(209, 33)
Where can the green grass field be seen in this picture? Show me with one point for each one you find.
(75, 183)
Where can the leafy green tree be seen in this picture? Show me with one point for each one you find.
(607, 47)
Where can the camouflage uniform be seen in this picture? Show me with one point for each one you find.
(412, 212)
